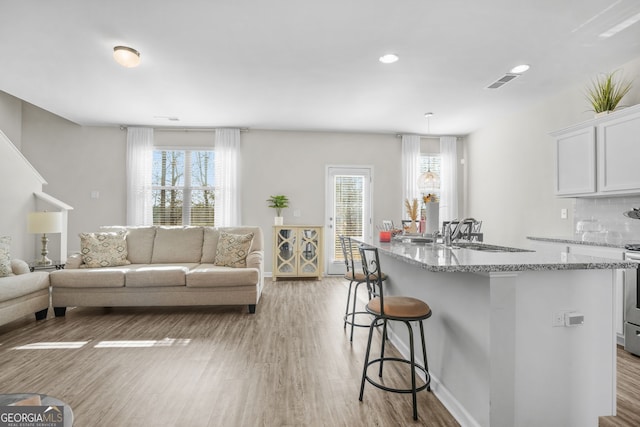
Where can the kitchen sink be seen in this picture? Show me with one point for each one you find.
(475, 246)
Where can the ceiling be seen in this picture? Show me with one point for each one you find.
(303, 65)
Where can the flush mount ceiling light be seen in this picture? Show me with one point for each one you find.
(126, 56)
(519, 69)
(389, 58)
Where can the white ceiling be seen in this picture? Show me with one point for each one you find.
(305, 65)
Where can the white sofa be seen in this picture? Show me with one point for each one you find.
(23, 292)
(166, 266)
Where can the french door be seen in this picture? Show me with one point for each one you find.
(348, 210)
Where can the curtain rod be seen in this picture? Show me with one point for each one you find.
(170, 129)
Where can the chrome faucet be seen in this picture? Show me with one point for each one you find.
(450, 236)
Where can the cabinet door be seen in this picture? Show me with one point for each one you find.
(618, 154)
(576, 162)
(616, 254)
(309, 252)
(285, 252)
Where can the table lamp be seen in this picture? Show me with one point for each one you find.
(44, 222)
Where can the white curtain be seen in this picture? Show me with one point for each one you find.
(227, 147)
(448, 178)
(139, 165)
(410, 169)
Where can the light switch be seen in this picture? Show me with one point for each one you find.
(296, 213)
(95, 194)
(563, 214)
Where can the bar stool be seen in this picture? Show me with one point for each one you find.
(395, 308)
(353, 277)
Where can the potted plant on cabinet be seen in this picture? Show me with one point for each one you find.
(278, 202)
(605, 93)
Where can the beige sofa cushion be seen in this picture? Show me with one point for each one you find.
(177, 244)
(212, 276)
(111, 277)
(24, 284)
(139, 242)
(156, 275)
(210, 244)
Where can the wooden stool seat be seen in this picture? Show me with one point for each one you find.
(400, 308)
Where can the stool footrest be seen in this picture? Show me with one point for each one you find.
(398, 390)
(348, 316)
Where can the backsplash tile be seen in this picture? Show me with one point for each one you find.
(608, 213)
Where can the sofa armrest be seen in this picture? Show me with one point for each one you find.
(19, 266)
(73, 261)
(254, 260)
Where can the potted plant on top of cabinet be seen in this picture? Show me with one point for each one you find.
(278, 202)
(606, 92)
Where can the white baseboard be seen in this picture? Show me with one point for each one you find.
(442, 393)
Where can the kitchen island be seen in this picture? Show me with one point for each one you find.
(499, 354)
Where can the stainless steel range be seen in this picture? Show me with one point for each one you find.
(632, 302)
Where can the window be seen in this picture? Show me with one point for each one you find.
(431, 162)
(182, 187)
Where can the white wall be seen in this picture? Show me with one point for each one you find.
(294, 163)
(78, 160)
(510, 166)
(75, 161)
(11, 118)
(19, 182)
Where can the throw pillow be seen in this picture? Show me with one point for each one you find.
(5, 256)
(233, 249)
(19, 266)
(104, 249)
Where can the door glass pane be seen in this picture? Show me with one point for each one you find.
(349, 210)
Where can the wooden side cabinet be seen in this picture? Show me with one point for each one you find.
(297, 251)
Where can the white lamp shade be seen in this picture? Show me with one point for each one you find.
(44, 222)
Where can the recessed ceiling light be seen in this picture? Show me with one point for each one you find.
(126, 56)
(389, 58)
(519, 69)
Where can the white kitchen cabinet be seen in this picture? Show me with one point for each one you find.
(617, 254)
(576, 162)
(618, 154)
(297, 251)
(599, 157)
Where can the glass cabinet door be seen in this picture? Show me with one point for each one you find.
(285, 251)
(308, 252)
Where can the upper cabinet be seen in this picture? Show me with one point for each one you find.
(599, 157)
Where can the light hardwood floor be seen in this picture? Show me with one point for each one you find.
(290, 364)
(628, 410)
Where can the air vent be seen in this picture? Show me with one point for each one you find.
(502, 81)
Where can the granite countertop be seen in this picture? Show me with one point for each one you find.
(437, 258)
(575, 240)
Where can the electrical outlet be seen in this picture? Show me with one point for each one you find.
(558, 319)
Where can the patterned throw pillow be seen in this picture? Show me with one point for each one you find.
(232, 249)
(5, 256)
(104, 249)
